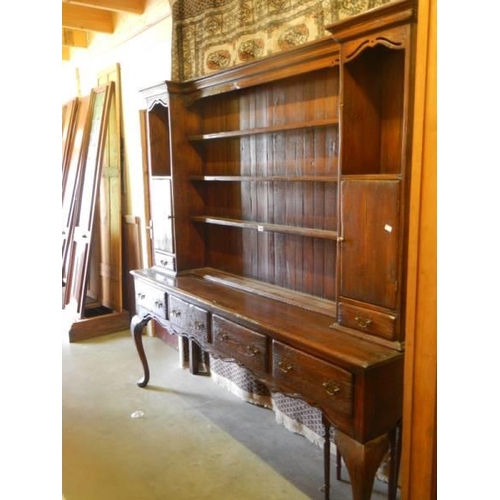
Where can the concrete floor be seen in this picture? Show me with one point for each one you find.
(191, 439)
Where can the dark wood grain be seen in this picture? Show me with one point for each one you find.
(289, 211)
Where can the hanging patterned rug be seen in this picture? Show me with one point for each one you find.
(211, 35)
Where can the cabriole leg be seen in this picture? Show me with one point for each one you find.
(137, 324)
(362, 461)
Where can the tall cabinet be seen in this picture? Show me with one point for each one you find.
(279, 212)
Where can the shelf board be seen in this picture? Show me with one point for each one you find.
(264, 178)
(264, 130)
(372, 177)
(161, 176)
(274, 292)
(265, 227)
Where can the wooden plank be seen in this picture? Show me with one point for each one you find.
(419, 456)
(263, 227)
(264, 130)
(130, 6)
(152, 329)
(131, 255)
(306, 301)
(80, 249)
(68, 132)
(83, 18)
(261, 178)
(145, 176)
(88, 328)
(75, 38)
(72, 181)
(110, 212)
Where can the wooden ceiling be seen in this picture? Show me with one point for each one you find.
(81, 19)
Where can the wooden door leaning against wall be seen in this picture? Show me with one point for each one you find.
(85, 204)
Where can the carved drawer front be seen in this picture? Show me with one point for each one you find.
(188, 318)
(372, 322)
(319, 381)
(165, 261)
(150, 298)
(239, 343)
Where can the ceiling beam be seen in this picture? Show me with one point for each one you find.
(75, 38)
(129, 6)
(84, 18)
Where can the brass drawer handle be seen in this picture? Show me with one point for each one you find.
(224, 337)
(175, 312)
(158, 303)
(251, 350)
(363, 321)
(285, 367)
(199, 326)
(141, 295)
(164, 262)
(331, 388)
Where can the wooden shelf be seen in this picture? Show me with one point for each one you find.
(162, 176)
(264, 130)
(292, 297)
(265, 227)
(264, 178)
(372, 177)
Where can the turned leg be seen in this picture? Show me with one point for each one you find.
(326, 458)
(194, 357)
(395, 457)
(362, 461)
(137, 324)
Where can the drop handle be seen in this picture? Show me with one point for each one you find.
(331, 388)
(251, 350)
(175, 312)
(158, 303)
(199, 326)
(363, 321)
(285, 367)
(141, 295)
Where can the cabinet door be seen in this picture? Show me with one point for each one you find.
(161, 221)
(370, 249)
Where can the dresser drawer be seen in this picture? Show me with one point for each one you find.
(240, 343)
(151, 298)
(164, 261)
(188, 318)
(366, 320)
(322, 382)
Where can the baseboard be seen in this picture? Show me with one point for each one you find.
(97, 326)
